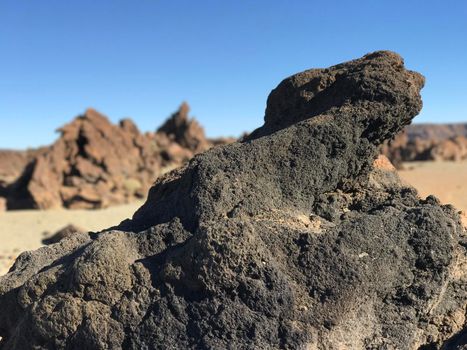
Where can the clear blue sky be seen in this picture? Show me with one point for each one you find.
(143, 58)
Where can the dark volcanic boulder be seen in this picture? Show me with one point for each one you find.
(289, 239)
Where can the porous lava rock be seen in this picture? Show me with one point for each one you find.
(95, 163)
(292, 238)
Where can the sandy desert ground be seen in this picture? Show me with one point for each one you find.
(24, 230)
(446, 180)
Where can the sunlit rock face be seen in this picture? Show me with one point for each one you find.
(291, 239)
(96, 164)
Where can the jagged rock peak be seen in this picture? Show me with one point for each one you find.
(95, 163)
(365, 92)
(186, 132)
(328, 132)
(129, 125)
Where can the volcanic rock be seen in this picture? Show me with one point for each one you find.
(65, 232)
(423, 142)
(290, 239)
(96, 164)
(436, 131)
(12, 165)
(184, 131)
(454, 149)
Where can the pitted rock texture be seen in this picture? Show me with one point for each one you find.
(95, 164)
(291, 239)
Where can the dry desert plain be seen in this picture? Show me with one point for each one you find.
(25, 229)
(22, 230)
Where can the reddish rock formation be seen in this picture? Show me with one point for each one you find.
(12, 164)
(187, 133)
(454, 149)
(436, 131)
(95, 163)
(420, 142)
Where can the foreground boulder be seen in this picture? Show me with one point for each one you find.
(290, 239)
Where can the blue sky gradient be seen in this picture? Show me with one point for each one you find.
(143, 58)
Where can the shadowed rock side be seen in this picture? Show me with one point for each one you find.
(96, 164)
(12, 165)
(289, 239)
(436, 131)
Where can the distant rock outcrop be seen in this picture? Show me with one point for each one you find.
(12, 165)
(185, 132)
(436, 131)
(291, 239)
(95, 163)
(422, 142)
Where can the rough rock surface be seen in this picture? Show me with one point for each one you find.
(290, 239)
(95, 163)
